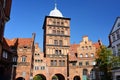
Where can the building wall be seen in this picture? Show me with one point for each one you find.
(114, 39)
(86, 53)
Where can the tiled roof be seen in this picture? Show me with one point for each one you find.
(24, 41)
(72, 52)
(97, 45)
(11, 42)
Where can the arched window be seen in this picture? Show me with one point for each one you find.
(86, 55)
(81, 55)
(85, 71)
(92, 54)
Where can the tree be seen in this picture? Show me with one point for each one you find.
(37, 77)
(104, 61)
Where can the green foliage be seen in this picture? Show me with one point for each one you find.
(104, 61)
(54, 77)
(37, 77)
(104, 57)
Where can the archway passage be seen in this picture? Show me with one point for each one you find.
(20, 78)
(39, 77)
(58, 77)
(76, 78)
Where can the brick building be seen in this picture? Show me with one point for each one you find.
(60, 59)
(5, 53)
(82, 60)
(21, 51)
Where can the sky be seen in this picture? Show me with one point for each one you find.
(93, 18)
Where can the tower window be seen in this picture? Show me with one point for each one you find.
(59, 52)
(54, 32)
(62, 23)
(58, 32)
(87, 63)
(56, 51)
(55, 42)
(60, 42)
(62, 32)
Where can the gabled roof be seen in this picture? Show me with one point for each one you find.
(114, 24)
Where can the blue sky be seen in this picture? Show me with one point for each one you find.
(94, 18)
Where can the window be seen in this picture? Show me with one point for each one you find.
(113, 37)
(5, 54)
(81, 55)
(56, 51)
(61, 62)
(93, 63)
(80, 63)
(113, 49)
(87, 63)
(90, 47)
(23, 74)
(62, 23)
(55, 42)
(58, 32)
(59, 52)
(82, 47)
(85, 71)
(62, 32)
(23, 58)
(53, 62)
(14, 59)
(36, 67)
(118, 24)
(86, 55)
(118, 34)
(58, 23)
(74, 64)
(60, 42)
(54, 32)
(92, 55)
(42, 67)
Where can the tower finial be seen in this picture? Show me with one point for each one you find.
(55, 4)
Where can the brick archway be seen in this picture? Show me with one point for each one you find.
(40, 76)
(76, 78)
(20, 78)
(58, 77)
